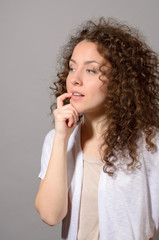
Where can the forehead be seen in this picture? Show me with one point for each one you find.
(87, 51)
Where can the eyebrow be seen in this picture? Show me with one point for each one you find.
(86, 62)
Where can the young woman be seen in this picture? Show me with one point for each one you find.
(100, 165)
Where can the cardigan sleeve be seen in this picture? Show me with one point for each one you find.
(46, 152)
(152, 161)
(154, 186)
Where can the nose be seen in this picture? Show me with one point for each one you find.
(76, 78)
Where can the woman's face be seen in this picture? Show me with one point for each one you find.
(88, 91)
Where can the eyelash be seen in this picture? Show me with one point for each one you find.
(91, 71)
(71, 69)
(87, 70)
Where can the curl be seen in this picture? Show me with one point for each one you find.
(131, 104)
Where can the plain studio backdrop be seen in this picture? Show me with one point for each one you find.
(32, 33)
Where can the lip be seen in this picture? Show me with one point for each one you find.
(82, 95)
(77, 97)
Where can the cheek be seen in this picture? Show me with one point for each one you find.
(100, 89)
(101, 92)
(104, 88)
(67, 85)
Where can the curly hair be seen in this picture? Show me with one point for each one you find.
(132, 99)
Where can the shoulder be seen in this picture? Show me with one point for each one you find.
(155, 141)
(51, 134)
(47, 144)
(151, 157)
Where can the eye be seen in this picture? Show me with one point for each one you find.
(91, 71)
(71, 69)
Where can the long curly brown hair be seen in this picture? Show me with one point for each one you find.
(132, 100)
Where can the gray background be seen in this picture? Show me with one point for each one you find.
(31, 34)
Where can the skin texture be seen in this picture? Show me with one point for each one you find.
(132, 92)
(52, 197)
(84, 76)
(123, 103)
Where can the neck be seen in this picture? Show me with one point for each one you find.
(93, 125)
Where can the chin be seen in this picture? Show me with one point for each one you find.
(82, 108)
(77, 106)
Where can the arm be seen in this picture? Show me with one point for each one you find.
(52, 198)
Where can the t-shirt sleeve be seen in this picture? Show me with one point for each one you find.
(153, 179)
(154, 185)
(46, 152)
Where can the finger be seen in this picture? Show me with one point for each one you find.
(76, 113)
(72, 118)
(67, 117)
(70, 107)
(60, 99)
(71, 122)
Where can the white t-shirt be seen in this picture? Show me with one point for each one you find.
(128, 205)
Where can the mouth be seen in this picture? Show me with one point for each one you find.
(77, 96)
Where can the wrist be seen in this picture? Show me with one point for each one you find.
(61, 139)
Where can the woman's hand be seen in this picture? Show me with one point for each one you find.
(66, 117)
